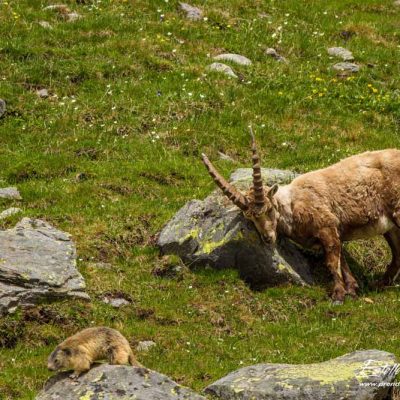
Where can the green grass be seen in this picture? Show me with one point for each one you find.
(132, 107)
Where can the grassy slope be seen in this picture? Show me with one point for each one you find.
(134, 111)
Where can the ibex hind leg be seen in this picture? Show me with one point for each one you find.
(393, 269)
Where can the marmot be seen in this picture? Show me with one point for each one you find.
(79, 351)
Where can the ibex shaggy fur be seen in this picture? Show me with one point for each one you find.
(359, 197)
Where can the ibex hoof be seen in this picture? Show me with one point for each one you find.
(337, 302)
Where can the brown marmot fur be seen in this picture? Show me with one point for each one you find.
(79, 351)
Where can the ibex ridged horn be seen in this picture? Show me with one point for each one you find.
(258, 188)
(229, 190)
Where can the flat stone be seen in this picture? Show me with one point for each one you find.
(9, 212)
(116, 302)
(45, 25)
(145, 345)
(341, 52)
(3, 107)
(193, 13)
(347, 377)
(214, 232)
(274, 54)
(42, 93)
(37, 263)
(116, 382)
(10, 193)
(346, 66)
(72, 16)
(219, 67)
(236, 58)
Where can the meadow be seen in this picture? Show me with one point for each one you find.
(113, 152)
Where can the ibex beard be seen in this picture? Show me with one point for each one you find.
(357, 198)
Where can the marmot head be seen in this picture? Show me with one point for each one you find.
(60, 358)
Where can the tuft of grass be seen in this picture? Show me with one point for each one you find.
(113, 153)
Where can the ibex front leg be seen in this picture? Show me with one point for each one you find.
(351, 283)
(331, 243)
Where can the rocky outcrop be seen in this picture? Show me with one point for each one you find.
(37, 262)
(214, 232)
(116, 382)
(354, 376)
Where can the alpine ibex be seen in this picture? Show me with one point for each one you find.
(359, 197)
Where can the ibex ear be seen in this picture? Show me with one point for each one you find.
(272, 191)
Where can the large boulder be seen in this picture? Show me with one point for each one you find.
(361, 375)
(116, 382)
(37, 262)
(214, 232)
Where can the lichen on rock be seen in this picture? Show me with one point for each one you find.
(38, 262)
(354, 376)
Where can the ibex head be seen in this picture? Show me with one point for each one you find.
(258, 204)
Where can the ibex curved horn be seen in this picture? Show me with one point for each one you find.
(229, 190)
(258, 188)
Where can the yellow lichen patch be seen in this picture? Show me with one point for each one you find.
(208, 246)
(193, 234)
(330, 372)
(87, 396)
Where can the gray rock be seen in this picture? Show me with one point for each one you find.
(274, 54)
(10, 193)
(42, 93)
(145, 345)
(214, 232)
(397, 3)
(45, 25)
(38, 262)
(219, 67)
(3, 107)
(236, 58)
(341, 52)
(9, 212)
(116, 302)
(72, 16)
(192, 13)
(113, 382)
(346, 66)
(341, 378)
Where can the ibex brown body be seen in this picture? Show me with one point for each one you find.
(359, 197)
